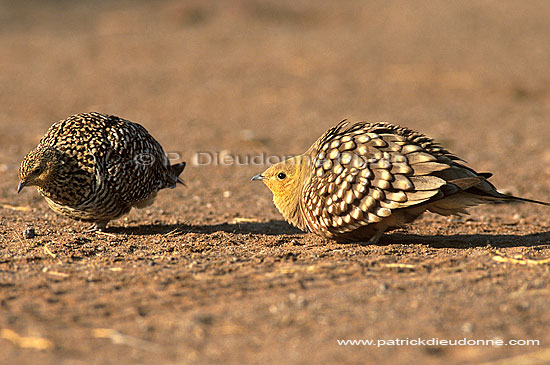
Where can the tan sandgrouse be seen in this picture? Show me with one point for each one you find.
(95, 167)
(356, 182)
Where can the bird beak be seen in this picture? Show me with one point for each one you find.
(257, 177)
(21, 186)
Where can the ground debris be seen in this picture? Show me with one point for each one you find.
(519, 260)
(535, 357)
(14, 207)
(56, 273)
(400, 266)
(29, 233)
(30, 342)
(49, 252)
(120, 339)
(239, 220)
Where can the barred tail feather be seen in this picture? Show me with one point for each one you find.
(178, 169)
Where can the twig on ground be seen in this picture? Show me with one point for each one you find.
(120, 339)
(36, 343)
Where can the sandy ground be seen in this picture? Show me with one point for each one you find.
(211, 273)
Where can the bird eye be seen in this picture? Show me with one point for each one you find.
(281, 175)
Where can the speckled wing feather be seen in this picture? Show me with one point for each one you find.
(136, 158)
(363, 173)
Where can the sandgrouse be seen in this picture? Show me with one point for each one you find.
(356, 182)
(95, 167)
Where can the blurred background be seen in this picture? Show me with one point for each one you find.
(270, 76)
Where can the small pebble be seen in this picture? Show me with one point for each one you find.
(247, 135)
(29, 233)
(468, 327)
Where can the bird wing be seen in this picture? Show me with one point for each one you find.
(137, 164)
(365, 172)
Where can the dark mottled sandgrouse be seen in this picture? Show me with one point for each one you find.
(95, 167)
(357, 182)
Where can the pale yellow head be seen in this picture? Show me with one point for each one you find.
(285, 180)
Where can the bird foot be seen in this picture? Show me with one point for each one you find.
(374, 239)
(97, 227)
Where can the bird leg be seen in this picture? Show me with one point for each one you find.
(97, 227)
(374, 239)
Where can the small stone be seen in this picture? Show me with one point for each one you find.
(29, 233)
(468, 327)
(247, 135)
(383, 287)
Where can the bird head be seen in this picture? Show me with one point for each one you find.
(38, 167)
(285, 181)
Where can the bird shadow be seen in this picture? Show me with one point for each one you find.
(270, 228)
(280, 227)
(468, 240)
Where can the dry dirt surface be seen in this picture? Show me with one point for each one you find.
(211, 273)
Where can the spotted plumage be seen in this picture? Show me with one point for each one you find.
(95, 167)
(356, 182)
